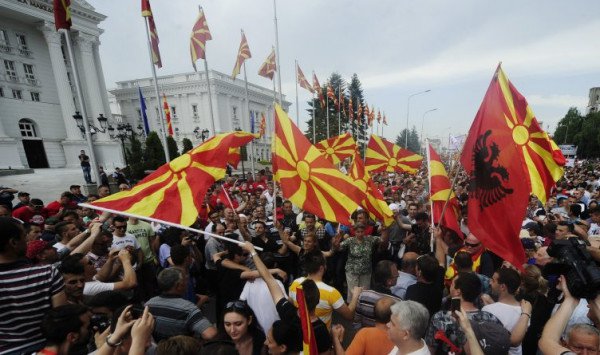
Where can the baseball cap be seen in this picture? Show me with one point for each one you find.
(35, 247)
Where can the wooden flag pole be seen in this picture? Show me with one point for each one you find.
(171, 224)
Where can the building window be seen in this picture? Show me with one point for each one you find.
(17, 94)
(173, 112)
(35, 96)
(22, 44)
(29, 76)
(27, 128)
(4, 42)
(11, 72)
(195, 112)
(1, 92)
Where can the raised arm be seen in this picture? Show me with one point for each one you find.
(550, 341)
(274, 289)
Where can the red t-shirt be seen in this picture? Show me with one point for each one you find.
(54, 207)
(25, 214)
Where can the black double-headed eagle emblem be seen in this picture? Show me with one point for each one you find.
(488, 179)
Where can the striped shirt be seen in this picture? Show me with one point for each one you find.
(330, 299)
(26, 293)
(176, 316)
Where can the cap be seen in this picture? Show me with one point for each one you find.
(22, 193)
(35, 247)
(74, 187)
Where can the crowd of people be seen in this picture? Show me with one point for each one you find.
(77, 281)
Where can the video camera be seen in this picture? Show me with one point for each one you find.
(572, 260)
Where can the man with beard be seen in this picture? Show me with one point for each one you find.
(66, 329)
(22, 334)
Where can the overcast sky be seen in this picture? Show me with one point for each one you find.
(550, 50)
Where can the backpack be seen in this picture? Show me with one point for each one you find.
(493, 337)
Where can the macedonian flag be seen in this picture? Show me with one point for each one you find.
(440, 191)
(309, 341)
(373, 202)
(243, 54)
(307, 178)
(234, 156)
(175, 191)
(385, 156)
(337, 148)
(200, 35)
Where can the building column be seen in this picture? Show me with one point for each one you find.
(90, 80)
(59, 69)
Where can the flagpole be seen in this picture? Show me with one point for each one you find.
(88, 135)
(431, 238)
(340, 109)
(297, 112)
(277, 48)
(383, 124)
(251, 123)
(327, 106)
(163, 136)
(451, 187)
(167, 223)
(313, 118)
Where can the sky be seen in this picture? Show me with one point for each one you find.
(548, 49)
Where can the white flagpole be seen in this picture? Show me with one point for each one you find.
(313, 119)
(430, 202)
(163, 136)
(210, 103)
(340, 109)
(171, 224)
(327, 106)
(297, 112)
(88, 135)
(278, 54)
(251, 123)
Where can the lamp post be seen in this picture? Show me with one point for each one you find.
(423, 121)
(201, 134)
(408, 111)
(124, 131)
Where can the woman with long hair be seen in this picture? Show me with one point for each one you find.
(534, 288)
(241, 327)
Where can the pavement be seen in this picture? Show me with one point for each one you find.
(45, 184)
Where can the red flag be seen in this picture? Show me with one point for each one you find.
(263, 124)
(330, 93)
(175, 191)
(342, 104)
(318, 89)
(309, 342)
(440, 191)
(337, 148)
(154, 41)
(384, 119)
(378, 116)
(351, 110)
(269, 67)
(200, 35)
(243, 54)
(386, 156)
(302, 80)
(360, 111)
(233, 157)
(167, 115)
(493, 157)
(62, 14)
(307, 178)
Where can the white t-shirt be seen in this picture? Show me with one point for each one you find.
(424, 350)
(95, 287)
(59, 246)
(509, 316)
(257, 294)
(128, 240)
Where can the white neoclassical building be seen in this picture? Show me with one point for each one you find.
(37, 93)
(187, 95)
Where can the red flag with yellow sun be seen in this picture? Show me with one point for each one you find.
(507, 156)
(440, 191)
(307, 178)
(386, 156)
(373, 203)
(337, 148)
(175, 191)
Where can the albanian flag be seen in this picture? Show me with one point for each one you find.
(507, 156)
(175, 191)
(385, 156)
(373, 202)
(440, 191)
(307, 178)
(338, 148)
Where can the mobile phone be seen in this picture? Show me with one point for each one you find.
(455, 305)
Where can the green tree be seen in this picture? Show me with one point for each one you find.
(187, 145)
(358, 126)
(135, 157)
(569, 128)
(154, 155)
(172, 146)
(414, 145)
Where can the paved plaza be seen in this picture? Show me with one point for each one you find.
(45, 184)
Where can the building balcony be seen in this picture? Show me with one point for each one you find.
(25, 52)
(10, 78)
(5, 48)
(32, 81)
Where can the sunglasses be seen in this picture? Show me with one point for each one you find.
(472, 245)
(236, 305)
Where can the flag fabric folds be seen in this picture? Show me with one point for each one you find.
(234, 156)
(175, 191)
(167, 110)
(263, 124)
(147, 12)
(309, 341)
(440, 190)
(373, 202)
(318, 89)
(143, 112)
(62, 14)
(200, 35)
(243, 54)
(330, 93)
(307, 178)
(384, 119)
(302, 80)
(386, 156)
(337, 148)
(351, 110)
(506, 156)
(269, 67)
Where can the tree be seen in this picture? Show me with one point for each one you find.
(172, 146)
(154, 155)
(569, 127)
(187, 145)
(414, 145)
(358, 126)
(135, 156)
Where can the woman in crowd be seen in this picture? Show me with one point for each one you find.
(241, 328)
(309, 244)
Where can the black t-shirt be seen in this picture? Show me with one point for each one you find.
(429, 295)
(85, 160)
(270, 245)
(289, 313)
(230, 285)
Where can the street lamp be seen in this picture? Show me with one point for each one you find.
(124, 131)
(201, 134)
(407, 113)
(423, 121)
(103, 121)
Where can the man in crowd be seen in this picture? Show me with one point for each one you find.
(78, 196)
(407, 328)
(34, 212)
(85, 167)
(67, 330)
(385, 276)
(66, 202)
(23, 199)
(407, 275)
(124, 240)
(428, 288)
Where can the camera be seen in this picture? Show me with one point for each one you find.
(574, 262)
(100, 322)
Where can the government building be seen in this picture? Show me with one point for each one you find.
(37, 89)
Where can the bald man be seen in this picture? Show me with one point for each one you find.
(407, 276)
